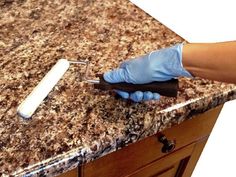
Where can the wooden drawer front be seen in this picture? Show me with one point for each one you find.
(139, 154)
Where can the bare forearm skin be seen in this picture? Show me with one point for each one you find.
(215, 61)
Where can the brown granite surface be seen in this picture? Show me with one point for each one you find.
(76, 123)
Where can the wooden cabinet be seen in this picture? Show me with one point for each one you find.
(173, 165)
(146, 159)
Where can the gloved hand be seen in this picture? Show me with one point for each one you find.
(160, 65)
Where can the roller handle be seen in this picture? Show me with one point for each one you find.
(166, 88)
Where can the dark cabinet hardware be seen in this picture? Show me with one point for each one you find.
(168, 145)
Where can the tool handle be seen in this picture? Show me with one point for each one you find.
(166, 88)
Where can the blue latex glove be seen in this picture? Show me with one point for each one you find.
(160, 65)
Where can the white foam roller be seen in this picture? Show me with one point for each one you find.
(33, 100)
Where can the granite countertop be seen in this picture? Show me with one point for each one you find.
(76, 123)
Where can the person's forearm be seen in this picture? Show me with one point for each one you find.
(215, 61)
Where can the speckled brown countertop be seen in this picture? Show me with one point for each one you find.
(76, 124)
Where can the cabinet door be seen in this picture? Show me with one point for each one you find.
(167, 166)
(177, 164)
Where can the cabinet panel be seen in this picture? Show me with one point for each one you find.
(181, 163)
(169, 172)
(194, 158)
(166, 166)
